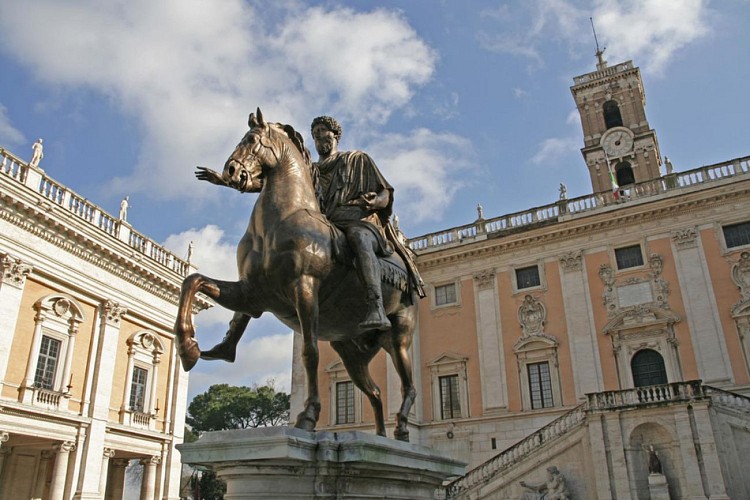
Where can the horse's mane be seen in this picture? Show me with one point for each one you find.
(299, 143)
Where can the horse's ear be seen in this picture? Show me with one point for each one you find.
(251, 121)
(260, 117)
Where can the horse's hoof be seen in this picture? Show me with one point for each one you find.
(221, 351)
(305, 422)
(189, 354)
(401, 435)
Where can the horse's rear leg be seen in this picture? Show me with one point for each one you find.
(226, 294)
(398, 348)
(356, 362)
(227, 349)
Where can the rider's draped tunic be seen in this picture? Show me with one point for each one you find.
(344, 177)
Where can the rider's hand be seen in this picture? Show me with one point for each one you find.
(206, 174)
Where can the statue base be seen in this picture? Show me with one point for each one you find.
(657, 486)
(285, 462)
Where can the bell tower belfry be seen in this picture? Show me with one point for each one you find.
(612, 106)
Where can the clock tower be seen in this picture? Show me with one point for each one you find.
(612, 106)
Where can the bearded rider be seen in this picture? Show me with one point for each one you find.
(358, 200)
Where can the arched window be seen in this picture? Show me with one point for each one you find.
(624, 173)
(50, 366)
(612, 116)
(648, 368)
(140, 403)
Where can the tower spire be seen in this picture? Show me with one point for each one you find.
(601, 63)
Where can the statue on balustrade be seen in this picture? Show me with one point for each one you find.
(37, 153)
(554, 488)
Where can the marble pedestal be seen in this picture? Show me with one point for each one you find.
(284, 462)
(657, 486)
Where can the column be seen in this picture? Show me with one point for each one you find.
(60, 470)
(154, 382)
(702, 313)
(579, 319)
(72, 332)
(491, 352)
(13, 274)
(41, 476)
(148, 486)
(108, 453)
(128, 380)
(36, 341)
(690, 467)
(4, 450)
(118, 478)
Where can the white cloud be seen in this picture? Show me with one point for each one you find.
(550, 150)
(648, 31)
(427, 168)
(189, 72)
(9, 135)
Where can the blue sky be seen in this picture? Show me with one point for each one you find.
(459, 103)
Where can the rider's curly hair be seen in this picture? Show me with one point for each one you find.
(330, 123)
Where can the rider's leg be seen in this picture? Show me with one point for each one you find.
(227, 348)
(362, 243)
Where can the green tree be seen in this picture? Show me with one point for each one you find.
(230, 407)
(224, 407)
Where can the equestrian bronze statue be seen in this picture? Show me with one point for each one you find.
(296, 264)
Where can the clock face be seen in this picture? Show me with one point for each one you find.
(617, 142)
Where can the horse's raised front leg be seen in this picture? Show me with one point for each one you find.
(357, 362)
(226, 294)
(400, 341)
(305, 292)
(226, 350)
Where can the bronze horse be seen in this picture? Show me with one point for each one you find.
(287, 267)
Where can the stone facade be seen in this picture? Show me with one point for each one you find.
(89, 376)
(581, 298)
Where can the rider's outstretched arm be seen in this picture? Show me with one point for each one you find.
(212, 176)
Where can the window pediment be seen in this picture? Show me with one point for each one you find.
(447, 358)
(535, 343)
(640, 317)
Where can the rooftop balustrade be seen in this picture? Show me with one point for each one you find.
(671, 184)
(15, 169)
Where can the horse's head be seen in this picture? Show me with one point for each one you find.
(262, 148)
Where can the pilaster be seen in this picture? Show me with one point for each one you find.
(13, 279)
(587, 374)
(701, 311)
(491, 352)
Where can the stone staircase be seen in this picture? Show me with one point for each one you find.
(506, 466)
(546, 435)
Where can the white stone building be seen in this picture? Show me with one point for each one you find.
(89, 376)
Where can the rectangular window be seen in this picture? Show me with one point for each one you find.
(528, 277)
(450, 405)
(540, 385)
(138, 389)
(46, 365)
(737, 235)
(629, 257)
(345, 402)
(445, 294)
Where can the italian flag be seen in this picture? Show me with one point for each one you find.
(615, 186)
